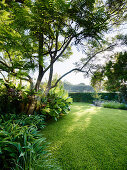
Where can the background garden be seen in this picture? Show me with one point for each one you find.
(40, 126)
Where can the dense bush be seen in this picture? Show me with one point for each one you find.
(89, 97)
(82, 97)
(14, 99)
(115, 105)
(18, 101)
(22, 146)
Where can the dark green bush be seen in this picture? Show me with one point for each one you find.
(88, 97)
(82, 97)
(12, 100)
(22, 146)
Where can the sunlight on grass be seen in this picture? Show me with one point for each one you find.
(89, 138)
(83, 115)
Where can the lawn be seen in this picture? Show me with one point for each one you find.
(89, 138)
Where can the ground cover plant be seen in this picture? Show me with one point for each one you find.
(22, 146)
(89, 137)
(115, 105)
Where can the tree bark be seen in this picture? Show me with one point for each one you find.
(41, 70)
(50, 80)
(33, 103)
(39, 79)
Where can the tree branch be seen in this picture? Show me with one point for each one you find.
(3, 76)
(59, 54)
(65, 41)
(75, 69)
(81, 69)
(5, 64)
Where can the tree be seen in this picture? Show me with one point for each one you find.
(51, 26)
(113, 75)
(116, 12)
(39, 31)
(16, 52)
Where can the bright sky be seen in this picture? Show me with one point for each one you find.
(62, 67)
(75, 78)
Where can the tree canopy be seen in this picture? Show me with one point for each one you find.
(113, 76)
(36, 34)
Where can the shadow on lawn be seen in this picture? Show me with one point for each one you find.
(76, 115)
(88, 139)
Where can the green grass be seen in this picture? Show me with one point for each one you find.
(89, 138)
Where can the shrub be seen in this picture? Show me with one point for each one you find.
(55, 104)
(89, 97)
(22, 146)
(82, 97)
(115, 105)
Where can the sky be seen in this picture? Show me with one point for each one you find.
(75, 78)
(62, 67)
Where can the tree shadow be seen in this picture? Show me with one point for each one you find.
(86, 137)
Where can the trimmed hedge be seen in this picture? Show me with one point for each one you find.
(88, 97)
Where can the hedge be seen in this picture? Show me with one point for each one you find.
(88, 97)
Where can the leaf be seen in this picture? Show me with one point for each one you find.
(69, 99)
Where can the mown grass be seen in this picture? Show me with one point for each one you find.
(89, 138)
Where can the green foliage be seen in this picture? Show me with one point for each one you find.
(96, 96)
(114, 75)
(35, 120)
(56, 103)
(115, 105)
(82, 97)
(89, 97)
(33, 32)
(10, 101)
(17, 101)
(21, 146)
(96, 80)
(14, 98)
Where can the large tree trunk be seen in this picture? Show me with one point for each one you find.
(41, 71)
(39, 79)
(49, 80)
(33, 102)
